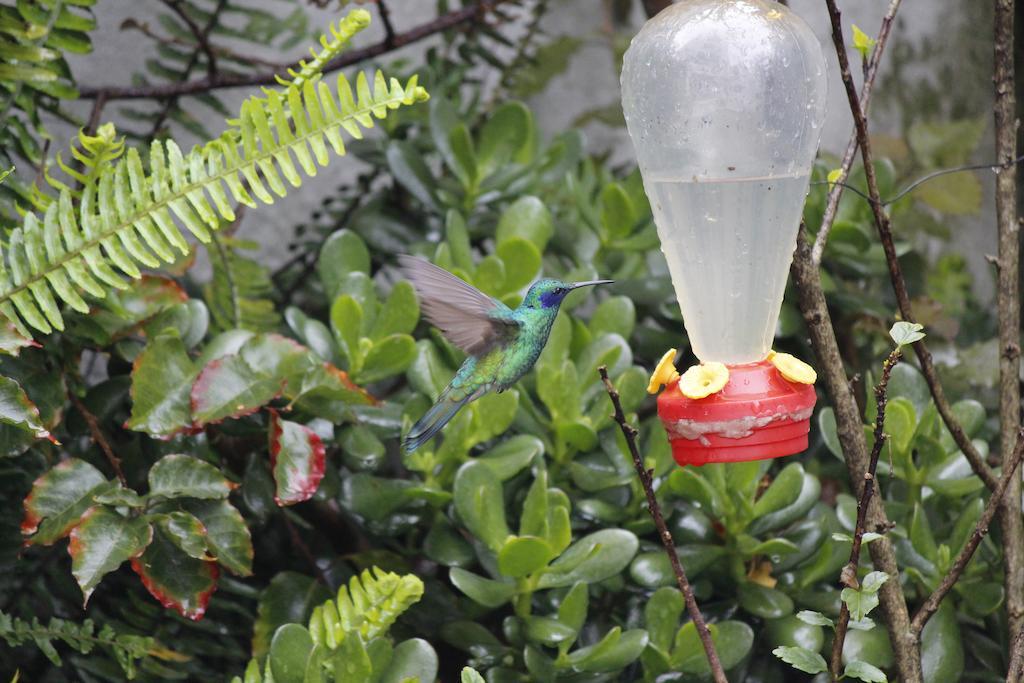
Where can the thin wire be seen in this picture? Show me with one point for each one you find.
(995, 168)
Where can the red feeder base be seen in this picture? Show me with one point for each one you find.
(757, 415)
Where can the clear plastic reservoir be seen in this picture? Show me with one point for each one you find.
(724, 101)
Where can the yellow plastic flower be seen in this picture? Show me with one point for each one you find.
(665, 373)
(703, 380)
(792, 368)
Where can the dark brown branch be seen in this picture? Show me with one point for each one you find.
(980, 529)
(442, 23)
(300, 545)
(848, 577)
(666, 537)
(202, 46)
(201, 35)
(652, 7)
(849, 428)
(95, 114)
(385, 18)
(899, 284)
(1008, 304)
(835, 192)
(98, 436)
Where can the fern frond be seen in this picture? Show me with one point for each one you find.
(332, 46)
(126, 217)
(364, 610)
(368, 606)
(238, 295)
(83, 638)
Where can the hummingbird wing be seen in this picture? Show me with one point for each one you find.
(467, 317)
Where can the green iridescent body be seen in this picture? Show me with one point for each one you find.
(501, 344)
(504, 365)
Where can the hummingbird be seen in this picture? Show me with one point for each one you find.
(501, 343)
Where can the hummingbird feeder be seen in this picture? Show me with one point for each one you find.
(724, 101)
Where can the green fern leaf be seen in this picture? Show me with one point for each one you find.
(126, 217)
(367, 606)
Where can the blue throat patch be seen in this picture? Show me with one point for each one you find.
(551, 299)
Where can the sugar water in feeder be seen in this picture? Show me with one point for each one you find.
(724, 101)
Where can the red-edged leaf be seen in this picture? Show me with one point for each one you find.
(297, 459)
(328, 392)
(277, 356)
(120, 312)
(59, 498)
(186, 532)
(44, 387)
(227, 536)
(18, 411)
(162, 377)
(174, 578)
(177, 475)
(12, 341)
(101, 542)
(229, 387)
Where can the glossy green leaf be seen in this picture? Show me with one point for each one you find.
(101, 542)
(227, 536)
(802, 659)
(175, 476)
(487, 592)
(175, 579)
(288, 598)
(523, 555)
(387, 357)
(764, 602)
(412, 659)
(290, 649)
(18, 411)
(186, 532)
(59, 498)
(297, 459)
(228, 388)
(343, 252)
(593, 558)
(162, 378)
(528, 218)
(863, 671)
(479, 502)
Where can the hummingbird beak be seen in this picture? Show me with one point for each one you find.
(588, 283)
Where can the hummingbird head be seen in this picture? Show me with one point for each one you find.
(548, 293)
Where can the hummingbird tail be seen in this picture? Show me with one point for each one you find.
(434, 420)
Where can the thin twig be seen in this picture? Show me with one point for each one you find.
(95, 114)
(444, 22)
(848, 577)
(202, 46)
(666, 537)
(899, 284)
(299, 544)
(385, 18)
(1008, 305)
(836, 191)
(200, 34)
(98, 436)
(980, 529)
(850, 430)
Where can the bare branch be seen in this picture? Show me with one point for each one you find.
(385, 18)
(444, 22)
(98, 436)
(1008, 304)
(848, 577)
(980, 529)
(666, 537)
(849, 428)
(836, 191)
(899, 284)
